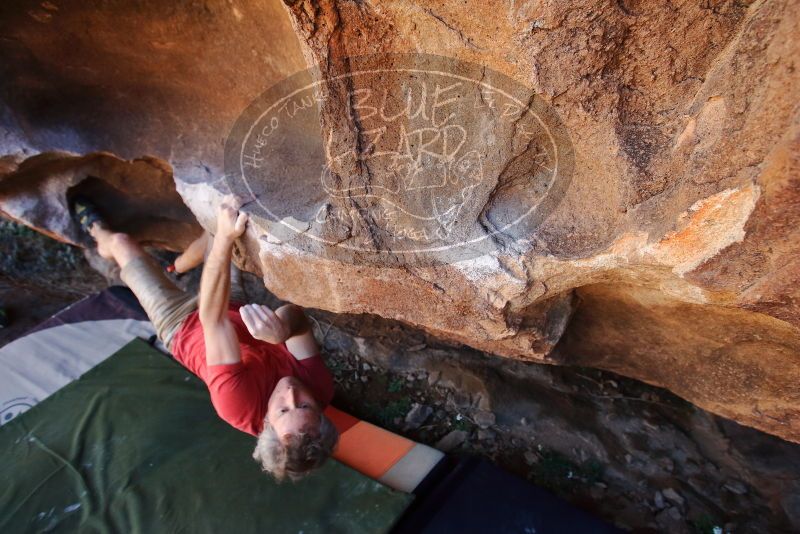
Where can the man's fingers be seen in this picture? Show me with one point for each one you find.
(259, 311)
(267, 311)
(232, 201)
(263, 316)
(273, 319)
(257, 319)
(241, 221)
(229, 206)
(251, 321)
(246, 319)
(263, 323)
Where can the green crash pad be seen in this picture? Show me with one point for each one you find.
(134, 445)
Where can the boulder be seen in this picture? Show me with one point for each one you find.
(612, 185)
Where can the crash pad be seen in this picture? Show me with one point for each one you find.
(135, 445)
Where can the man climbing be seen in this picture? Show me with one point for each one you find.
(262, 367)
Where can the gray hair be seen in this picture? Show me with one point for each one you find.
(301, 454)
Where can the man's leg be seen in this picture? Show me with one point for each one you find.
(116, 246)
(165, 304)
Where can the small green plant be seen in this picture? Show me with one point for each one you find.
(559, 473)
(592, 471)
(29, 252)
(705, 524)
(392, 411)
(395, 385)
(385, 414)
(462, 423)
(336, 365)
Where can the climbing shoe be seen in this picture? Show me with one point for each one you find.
(85, 213)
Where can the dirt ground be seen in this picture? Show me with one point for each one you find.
(663, 464)
(38, 277)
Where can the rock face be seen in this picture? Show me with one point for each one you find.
(662, 173)
(138, 197)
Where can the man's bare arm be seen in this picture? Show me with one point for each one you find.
(287, 324)
(193, 255)
(222, 345)
(301, 343)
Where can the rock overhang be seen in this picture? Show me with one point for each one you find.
(679, 221)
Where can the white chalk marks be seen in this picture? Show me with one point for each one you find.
(400, 159)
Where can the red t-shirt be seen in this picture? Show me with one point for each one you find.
(240, 391)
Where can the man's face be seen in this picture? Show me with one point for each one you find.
(292, 408)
